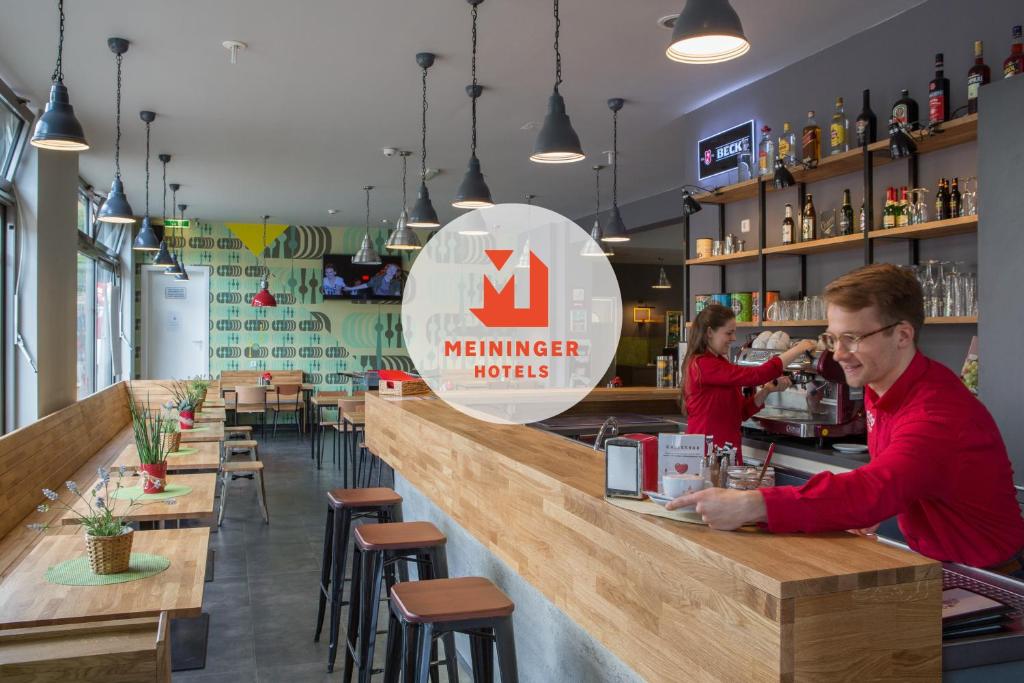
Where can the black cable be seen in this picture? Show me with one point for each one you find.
(163, 214)
(147, 168)
(558, 53)
(474, 91)
(597, 190)
(615, 157)
(405, 165)
(423, 132)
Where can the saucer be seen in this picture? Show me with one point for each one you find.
(850, 447)
(663, 500)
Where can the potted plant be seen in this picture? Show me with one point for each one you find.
(266, 378)
(200, 386)
(187, 397)
(155, 437)
(108, 539)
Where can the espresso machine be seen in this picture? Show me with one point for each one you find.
(819, 405)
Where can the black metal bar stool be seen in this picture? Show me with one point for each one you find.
(344, 506)
(424, 610)
(380, 550)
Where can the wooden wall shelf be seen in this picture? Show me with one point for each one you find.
(953, 226)
(953, 320)
(738, 257)
(955, 132)
(768, 324)
(819, 246)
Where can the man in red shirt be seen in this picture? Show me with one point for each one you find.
(937, 460)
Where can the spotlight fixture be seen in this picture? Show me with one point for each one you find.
(58, 128)
(707, 32)
(117, 209)
(690, 203)
(403, 238)
(147, 239)
(423, 214)
(783, 178)
(263, 298)
(901, 144)
(557, 142)
(367, 254)
(473, 192)
(616, 230)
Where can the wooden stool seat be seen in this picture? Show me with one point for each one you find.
(444, 600)
(238, 429)
(356, 418)
(242, 466)
(398, 536)
(369, 497)
(241, 444)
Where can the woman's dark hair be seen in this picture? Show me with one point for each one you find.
(711, 318)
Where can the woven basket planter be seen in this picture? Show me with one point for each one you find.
(170, 441)
(110, 554)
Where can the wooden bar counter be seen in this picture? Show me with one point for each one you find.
(673, 601)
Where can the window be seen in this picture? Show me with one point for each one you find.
(95, 327)
(14, 120)
(84, 224)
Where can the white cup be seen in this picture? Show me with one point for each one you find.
(675, 485)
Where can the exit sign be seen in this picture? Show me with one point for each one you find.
(177, 223)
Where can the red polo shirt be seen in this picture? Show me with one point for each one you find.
(937, 462)
(715, 403)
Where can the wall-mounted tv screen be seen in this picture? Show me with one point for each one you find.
(343, 279)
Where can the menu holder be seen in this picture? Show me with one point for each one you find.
(966, 613)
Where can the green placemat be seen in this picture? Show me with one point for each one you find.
(133, 492)
(195, 428)
(77, 572)
(187, 450)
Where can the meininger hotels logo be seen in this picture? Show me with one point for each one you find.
(512, 314)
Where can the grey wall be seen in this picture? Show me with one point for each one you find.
(891, 56)
(1001, 213)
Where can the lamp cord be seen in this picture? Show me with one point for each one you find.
(174, 214)
(147, 168)
(58, 70)
(368, 207)
(558, 53)
(423, 133)
(163, 214)
(597, 191)
(405, 166)
(615, 158)
(474, 93)
(117, 140)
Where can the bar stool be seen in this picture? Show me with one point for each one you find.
(424, 610)
(380, 549)
(344, 506)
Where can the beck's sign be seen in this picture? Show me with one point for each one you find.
(720, 152)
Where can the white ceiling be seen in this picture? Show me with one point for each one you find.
(296, 126)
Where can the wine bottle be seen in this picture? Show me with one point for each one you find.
(1014, 64)
(787, 225)
(904, 112)
(977, 76)
(846, 215)
(955, 200)
(867, 123)
(889, 212)
(903, 209)
(808, 221)
(938, 94)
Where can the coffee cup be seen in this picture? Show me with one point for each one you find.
(675, 485)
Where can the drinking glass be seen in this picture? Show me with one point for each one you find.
(919, 207)
(969, 197)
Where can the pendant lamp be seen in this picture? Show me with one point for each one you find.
(423, 214)
(663, 281)
(117, 209)
(174, 268)
(264, 298)
(146, 240)
(473, 192)
(164, 256)
(183, 276)
(367, 254)
(58, 128)
(616, 230)
(595, 246)
(402, 238)
(707, 32)
(557, 142)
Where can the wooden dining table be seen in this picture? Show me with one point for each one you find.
(27, 599)
(206, 432)
(205, 457)
(196, 504)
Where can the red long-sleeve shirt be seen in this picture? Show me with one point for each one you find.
(714, 399)
(937, 462)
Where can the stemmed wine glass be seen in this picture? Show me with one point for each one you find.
(919, 208)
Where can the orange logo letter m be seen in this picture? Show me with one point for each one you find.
(499, 309)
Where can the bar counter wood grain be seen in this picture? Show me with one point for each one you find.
(674, 601)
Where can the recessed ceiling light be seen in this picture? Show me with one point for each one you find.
(431, 173)
(332, 211)
(530, 125)
(668, 22)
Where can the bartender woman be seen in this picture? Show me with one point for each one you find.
(712, 385)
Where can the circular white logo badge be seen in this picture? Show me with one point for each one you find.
(512, 314)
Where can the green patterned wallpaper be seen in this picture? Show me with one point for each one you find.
(304, 332)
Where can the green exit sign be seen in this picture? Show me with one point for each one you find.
(177, 223)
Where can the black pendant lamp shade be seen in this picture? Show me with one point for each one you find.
(596, 246)
(423, 214)
(117, 209)
(147, 239)
(164, 256)
(557, 142)
(663, 281)
(403, 238)
(615, 230)
(473, 192)
(174, 266)
(367, 254)
(58, 128)
(690, 205)
(183, 275)
(707, 32)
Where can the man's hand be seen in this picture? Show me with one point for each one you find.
(869, 531)
(724, 509)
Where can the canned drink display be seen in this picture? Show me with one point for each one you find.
(701, 301)
(742, 303)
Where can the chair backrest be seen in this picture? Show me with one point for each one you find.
(250, 395)
(350, 406)
(288, 392)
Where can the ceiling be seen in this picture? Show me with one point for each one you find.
(296, 127)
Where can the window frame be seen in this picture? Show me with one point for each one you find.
(9, 166)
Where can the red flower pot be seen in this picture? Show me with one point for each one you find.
(156, 472)
(186, 419)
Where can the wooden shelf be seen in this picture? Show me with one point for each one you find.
(796, 323)
(955, 132)
(953, 320)
(819, 246)
(738, 257)
(738, 324)
(953, 226)
(730, 193)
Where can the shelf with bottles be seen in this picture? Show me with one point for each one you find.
(942, 320)
(689, 324)
(819, 246)
(961, 225)
(949, 134)
(738, 257)
(952, 320)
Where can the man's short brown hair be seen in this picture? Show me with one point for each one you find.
(894, 290)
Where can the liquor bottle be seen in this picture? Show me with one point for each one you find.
(787, 225)
(846, 215)
(1014, 64)
(808, 221)
(811, 151)
(977, 76)
(955, 200)
(942, 201)
(904, 112)
(867, 124)
(766, 152)
(903, 209)
(838, 130)
(889, 212)
(938, 94)
(787, 145)
(863, 218)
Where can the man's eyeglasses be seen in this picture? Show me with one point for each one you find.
(850, 342)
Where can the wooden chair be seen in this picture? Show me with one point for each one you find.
(351, 423)
(288, 399)
(252, 400)
(228, 471)
(238, 432)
